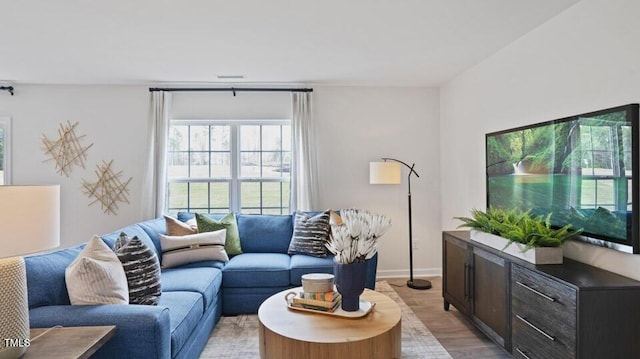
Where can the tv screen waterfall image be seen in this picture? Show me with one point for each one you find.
(580, 169)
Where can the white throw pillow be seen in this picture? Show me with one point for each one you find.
(96, 276)
(179, 250)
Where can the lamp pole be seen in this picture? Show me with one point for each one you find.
(421, 284)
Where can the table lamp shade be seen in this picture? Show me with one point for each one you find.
(29, 222)
(384, 173)
(29, 219)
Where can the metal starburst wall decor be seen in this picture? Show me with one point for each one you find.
(109, 189)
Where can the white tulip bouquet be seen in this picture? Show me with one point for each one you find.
(356, 239)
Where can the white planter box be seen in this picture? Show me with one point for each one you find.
(536, 255)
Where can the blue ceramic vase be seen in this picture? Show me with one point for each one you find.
(350, 279)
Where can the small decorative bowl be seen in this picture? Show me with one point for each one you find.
(317, 282)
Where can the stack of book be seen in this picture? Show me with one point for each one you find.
(321, 301)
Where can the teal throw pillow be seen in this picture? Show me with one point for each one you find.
(228, 222)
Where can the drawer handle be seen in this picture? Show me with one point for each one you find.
(522, 353)
(537, 292)
(536, 328)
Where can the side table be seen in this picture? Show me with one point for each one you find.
(68, 342)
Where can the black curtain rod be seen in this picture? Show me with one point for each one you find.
(232, 89)
(7, 88)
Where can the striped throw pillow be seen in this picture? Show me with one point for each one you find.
(206, 246)
(310, 234)
(96, 276)
(142, 269)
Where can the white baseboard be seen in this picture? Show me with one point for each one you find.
(399, 273)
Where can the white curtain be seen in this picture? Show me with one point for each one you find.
(304, 172)
(154, 186)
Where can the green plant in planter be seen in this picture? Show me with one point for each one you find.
(518, 226)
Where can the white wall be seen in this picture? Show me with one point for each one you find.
(356, 125)
(585, 59)
(113, 118)
(223, 105)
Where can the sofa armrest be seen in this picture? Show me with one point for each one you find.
(142, 331)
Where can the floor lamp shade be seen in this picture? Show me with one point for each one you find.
(29, 222)
(384, 173)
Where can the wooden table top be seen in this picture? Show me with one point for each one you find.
(68, 342)
(320, 328)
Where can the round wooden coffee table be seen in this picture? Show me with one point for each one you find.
(287, 333)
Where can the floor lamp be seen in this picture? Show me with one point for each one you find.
(389, 172)
(30, 222)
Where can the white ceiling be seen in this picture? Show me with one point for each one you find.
(354, 42)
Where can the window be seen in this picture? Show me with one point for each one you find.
(5, 150)
(237, 165)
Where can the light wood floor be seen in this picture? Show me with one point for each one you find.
(456, 334)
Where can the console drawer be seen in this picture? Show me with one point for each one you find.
(543, 315)
(529, 343)
(535, 288)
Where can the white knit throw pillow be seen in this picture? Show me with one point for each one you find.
(96, 276)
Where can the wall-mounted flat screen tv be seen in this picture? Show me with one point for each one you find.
(583, 169)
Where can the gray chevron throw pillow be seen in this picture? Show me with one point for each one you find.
(142, 269)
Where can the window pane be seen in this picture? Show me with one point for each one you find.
(221, 165)
(271, 194)
(271, 139)
(199, 138)
(250, 167)
(249, 138)
(219, 196)
(199, 164)
(198, 195)
(177, 164)
(251, 211)
(272, 164)
(177, 195)
(250, 195)
(178, 138)
(220, 138)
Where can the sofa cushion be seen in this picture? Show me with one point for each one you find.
(265, 233)
(206, 281)
(179, 250)
(257, 270)
(303, 264)
(142, 269)
(232, 243)
(310, 234)
(185, 311)
(96, 276)
(153, 228)
(45, 277)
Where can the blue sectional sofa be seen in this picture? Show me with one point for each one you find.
(194, 296)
